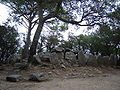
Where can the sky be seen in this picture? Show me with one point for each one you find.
(4, 13)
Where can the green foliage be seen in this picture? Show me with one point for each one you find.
(9, 42)
(104, 41)
(115, 17)
(52, 40)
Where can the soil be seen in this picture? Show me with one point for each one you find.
(76, 78)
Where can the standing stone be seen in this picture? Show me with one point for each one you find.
(46, 56)
(14, 78)
(57, 58)
(54, 59)
(106, 61)
(100, 60)
(41, 54)
(81, 59)
(92, 61)
(118, 60)
(113, 60)
(103, 61)
(71, 57)
(37, 59)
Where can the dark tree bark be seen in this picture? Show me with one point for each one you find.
(25, 52)
(37, 35)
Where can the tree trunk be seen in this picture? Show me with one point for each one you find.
(25, 52)
(36, 36)
(40, 46)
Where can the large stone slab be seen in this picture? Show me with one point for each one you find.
(118, 61)
(106, 61)
(103, 60)
(54, 59)
(57, 58)
(100, 60)
(45, 57)
(92, 61)
(14, 78)
(81, 59)
(113, 60)
(71, 57)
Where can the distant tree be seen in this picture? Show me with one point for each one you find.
(70, 43)
(80, 42)
(54, 38)
(9, 42)
(115, 17)
(83, 42)
(105, 41)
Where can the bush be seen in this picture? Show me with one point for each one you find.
(9, 42)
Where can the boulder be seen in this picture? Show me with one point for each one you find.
(75, 51)
(67, 50)
(15, 58)
(46, 57)
(37, 77)
(70, 56)
(14, 78)
(58, 49)
(57, 58)
(37, 59)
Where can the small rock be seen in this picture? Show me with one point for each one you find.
(91, 75)
(74, 76)
(105, 75)
(84, 75)
(65, 77)
(14, 78)
(17, 70)
(49, 73)
(63, 66)
(99, 72)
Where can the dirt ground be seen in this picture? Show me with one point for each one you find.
(77, 78)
